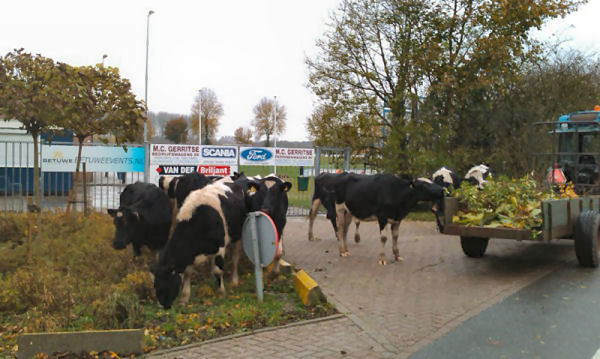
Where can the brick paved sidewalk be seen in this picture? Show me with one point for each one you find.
(393, 310)
(336, 338)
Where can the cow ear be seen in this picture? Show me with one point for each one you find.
(286, 186)
(112, 212)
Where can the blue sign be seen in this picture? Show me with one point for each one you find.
(63, 158)
(255, 156)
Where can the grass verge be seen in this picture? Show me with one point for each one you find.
(74, 280)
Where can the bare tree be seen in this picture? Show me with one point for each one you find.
(211, 110)
(267, 121)
(243, 135)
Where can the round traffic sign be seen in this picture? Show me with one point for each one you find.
(266, 236)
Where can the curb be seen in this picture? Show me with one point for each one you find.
(307, 288)
(239, 335)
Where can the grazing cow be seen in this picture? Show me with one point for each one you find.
(383, 198)
(446, 178)
(143, 218)
(210, 219)
(478, 175)
(323, 195)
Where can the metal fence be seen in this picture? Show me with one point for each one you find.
(57, 189)
(102, 189)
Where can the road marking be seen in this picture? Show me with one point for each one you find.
(597, 355)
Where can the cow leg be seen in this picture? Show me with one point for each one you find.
(237, 251)
(356, 234)
(382, 224)
(340, 216)
(217, 270)
(395, 230)
(311, 217)
(187, 285)
(347, 222)
(277, 260)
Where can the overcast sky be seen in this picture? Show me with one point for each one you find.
(243, 50)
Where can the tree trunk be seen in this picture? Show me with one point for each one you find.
(268, 141)
(78, 163)
(36, 169)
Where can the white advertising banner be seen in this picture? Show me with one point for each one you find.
(63, 158)
(177, 160)
(295, 157)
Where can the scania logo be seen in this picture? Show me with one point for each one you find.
(219, 152)
(256, 154)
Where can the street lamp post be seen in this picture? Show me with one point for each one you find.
(275, 136)
(200, 117)
(147, 148)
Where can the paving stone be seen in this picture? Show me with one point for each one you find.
(403, 305)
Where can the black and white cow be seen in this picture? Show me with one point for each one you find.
(478, 175)
(210, 219)
(384, 198)
(142, 219)
(324, 195)
(445, 177)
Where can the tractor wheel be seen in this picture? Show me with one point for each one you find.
(474, 247)
(586, 238)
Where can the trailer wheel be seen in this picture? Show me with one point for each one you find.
(474, 247)
(586, 238)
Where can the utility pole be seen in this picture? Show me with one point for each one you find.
(146, 146)
(275, 135)
(200, 117)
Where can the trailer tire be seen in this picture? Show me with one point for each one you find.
(586, 238)
(474, 247)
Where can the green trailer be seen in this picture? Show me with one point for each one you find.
(573, 218)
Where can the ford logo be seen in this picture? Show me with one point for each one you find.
(256, 154)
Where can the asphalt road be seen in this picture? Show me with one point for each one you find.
(557, 316)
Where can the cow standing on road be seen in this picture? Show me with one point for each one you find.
(383, 198)
(323, 195)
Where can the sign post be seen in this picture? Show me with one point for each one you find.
(257, 268)
(260, 242)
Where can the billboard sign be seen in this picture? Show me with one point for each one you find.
(295, 157)
(256, 156)
(63, 158)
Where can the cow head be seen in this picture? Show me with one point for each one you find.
(478, 175)
(167, 284)
(275, 202)
(426, 190)
(269, 195)
(126, 221)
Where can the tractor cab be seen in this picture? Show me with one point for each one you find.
(578, 155)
